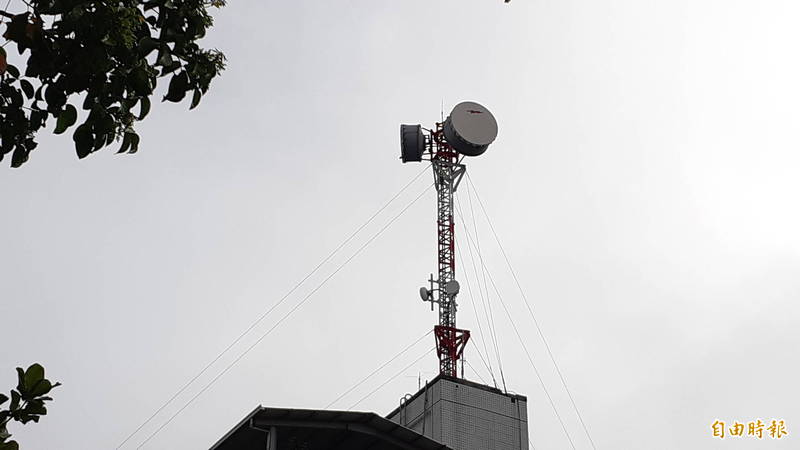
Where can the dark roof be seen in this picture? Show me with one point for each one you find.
(459, 381)
(321, 430)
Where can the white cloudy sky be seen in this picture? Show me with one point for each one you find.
(643, 183)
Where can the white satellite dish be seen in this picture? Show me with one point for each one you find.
(470, 128)
(424, 294)
(452, 287)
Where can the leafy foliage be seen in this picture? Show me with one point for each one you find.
(27, 402)
(113, 52)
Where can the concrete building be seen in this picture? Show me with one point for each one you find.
(464, 415)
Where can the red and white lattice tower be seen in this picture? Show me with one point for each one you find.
(467, 131)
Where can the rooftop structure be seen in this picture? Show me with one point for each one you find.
(307, 429)
(464, 415)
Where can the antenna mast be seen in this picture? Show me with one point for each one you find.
(468, 131)
(447, 174)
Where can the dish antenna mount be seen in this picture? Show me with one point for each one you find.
(467, 131)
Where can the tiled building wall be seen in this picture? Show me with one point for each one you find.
(466, 417)
(411, 414)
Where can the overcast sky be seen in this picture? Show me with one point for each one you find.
(644, 185)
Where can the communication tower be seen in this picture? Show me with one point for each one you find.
(461, 414)
(448, 412)
(467, 131)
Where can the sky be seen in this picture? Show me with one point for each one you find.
(643, 185)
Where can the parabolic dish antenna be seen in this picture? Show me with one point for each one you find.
(412, 143)
(424, 294)
(452, 287)
(470, 128)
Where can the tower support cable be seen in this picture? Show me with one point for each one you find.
(487, 361)
(476, 373)
(270, 309)
(390, 379)
(527, 353)
(363, 380)
(282, 319)
(533, 316)
(484, 297)
(487, 305)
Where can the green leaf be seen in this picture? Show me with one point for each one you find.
(126, 143)
(3, 398)
(13, 71)
(99, 138)
(10, 445)
(30, 144)
(41, 388)
(177, 87)
(33, 376)
(88, 102)
(20, 381)
(25, 418)
(145, 107)
(15, 398)
(134, 143)
(19, 157)
(147, 45)
(84, 139)
(27, 88)
(196, 98)
(170, 68)
(165, 59)
(139, 80)
(35, 407)
(16, 29)
(53, 7)
(55, 98)
(66, 119)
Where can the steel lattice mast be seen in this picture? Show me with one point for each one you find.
(447, 173)
(468, 131)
